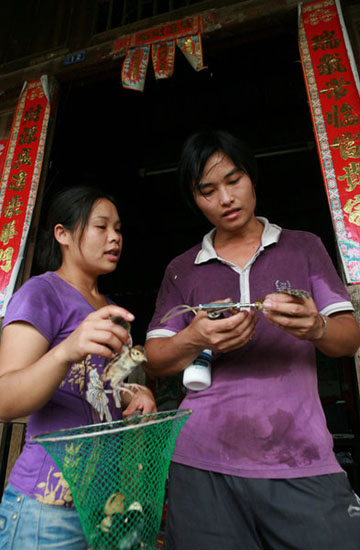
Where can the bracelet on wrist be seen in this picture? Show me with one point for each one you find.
(324, 320)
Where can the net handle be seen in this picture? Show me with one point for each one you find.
(45, 437)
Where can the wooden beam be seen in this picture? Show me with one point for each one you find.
(217, 16)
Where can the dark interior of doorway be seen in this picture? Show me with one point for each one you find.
(129, 143)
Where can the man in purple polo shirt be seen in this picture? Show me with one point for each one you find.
(253, 466)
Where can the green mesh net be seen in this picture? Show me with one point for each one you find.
(117, 473)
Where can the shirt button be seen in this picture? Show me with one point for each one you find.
(14, 516)
(18, 499)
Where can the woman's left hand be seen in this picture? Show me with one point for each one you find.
(143, 400)
(297, 316)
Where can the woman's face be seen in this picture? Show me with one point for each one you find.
(97, 250)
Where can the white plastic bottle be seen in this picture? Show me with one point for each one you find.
(197, 376)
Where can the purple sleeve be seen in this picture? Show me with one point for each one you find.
(38, 304)
(328, 290)
(169, 296)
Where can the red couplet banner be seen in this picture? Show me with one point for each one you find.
(333, 88)
(19, 181)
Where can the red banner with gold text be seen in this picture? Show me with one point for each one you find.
(134, 68)
(19, 181)
(185, 33)
(169, 31)
(163, 57)
(333, 89)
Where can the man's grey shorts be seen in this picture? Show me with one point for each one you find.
(210, 511)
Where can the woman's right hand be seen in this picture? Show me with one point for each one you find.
(97, 334)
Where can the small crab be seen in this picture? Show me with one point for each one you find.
(215, 310)
(127, 521)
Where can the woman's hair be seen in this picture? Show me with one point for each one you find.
(71, 208)
(197, 150)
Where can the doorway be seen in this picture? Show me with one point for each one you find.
(129, 142)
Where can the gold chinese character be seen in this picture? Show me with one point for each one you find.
(8, 232)
(143, 36)
(6, 256)
(352, 207)
(18, 181)
(162, 60)
(23, 158)
(28, 136)
(35, 91)
(189, 46)
(135, 71)
(171, 28)
(33, 114)
(330, 64)
(158, 33)
(12, 208)
(318, 15)
(347, 118)
(352, 175)
(326, 40)
(186, 25)
(335, 88)
(349, 145)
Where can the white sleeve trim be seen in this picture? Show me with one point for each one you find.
(160, 333)
(334, 308)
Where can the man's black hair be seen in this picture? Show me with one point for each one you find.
(197, 150)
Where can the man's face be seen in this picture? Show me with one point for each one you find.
(226, 195)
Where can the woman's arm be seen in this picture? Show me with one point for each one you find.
(30, 372)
